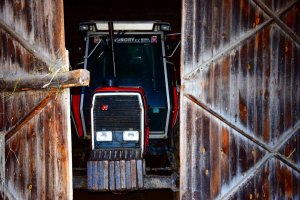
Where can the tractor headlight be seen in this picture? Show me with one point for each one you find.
(131, 136)
(103, 136)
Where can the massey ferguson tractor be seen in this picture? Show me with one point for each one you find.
(129, 112)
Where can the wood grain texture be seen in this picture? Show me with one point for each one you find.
(240, 100)
(57, 80)
(36, 123)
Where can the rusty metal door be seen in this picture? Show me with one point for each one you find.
(34, 111)
(240, 103)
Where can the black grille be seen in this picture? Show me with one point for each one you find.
(123, 113)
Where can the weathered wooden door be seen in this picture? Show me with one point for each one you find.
(34, 104)
(240, 105)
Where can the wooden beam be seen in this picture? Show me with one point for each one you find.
(41, 105)
(24, 43)
(80, 77)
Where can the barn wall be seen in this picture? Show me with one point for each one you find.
(240, 103)
(35, 122)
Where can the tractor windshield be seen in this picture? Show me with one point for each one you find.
(139, 63)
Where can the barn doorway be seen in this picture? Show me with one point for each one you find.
(131, 10)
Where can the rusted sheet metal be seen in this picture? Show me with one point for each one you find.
(115, 170)
(240, 103)
(37, 146)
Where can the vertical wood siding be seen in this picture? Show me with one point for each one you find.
(36, 123)
(240, 102)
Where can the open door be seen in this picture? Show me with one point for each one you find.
(35, 139)
(240, 105)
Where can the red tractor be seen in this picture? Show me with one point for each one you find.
(130, 109)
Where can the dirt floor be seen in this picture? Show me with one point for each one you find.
(140, 195)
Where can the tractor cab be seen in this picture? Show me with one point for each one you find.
(130, 107)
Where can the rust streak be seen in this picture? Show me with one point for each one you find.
(243, 110)
(278, 21)
(30, 115)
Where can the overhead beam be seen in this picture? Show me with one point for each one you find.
(80, 77)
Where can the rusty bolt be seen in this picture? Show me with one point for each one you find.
(249, 66)
(250, 196)
(203, 150)
(29, 187)
(286, 49)
(206, 172)
(257, 20)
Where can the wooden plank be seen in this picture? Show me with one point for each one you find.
(117, 175)
(89, 174)
(112, 183)
(187, 35)
(56, 79)
(128, 175)
(224, 155)
(105, 175)
(63, 144)
(49, 134)
(30, 115)
(196, 159)
(95, 176)
(215, 174)
(266, 85)
(133, 174)
(41, 159)
(123, 174)
(99, 176)
(2, 163)
(140, 178)
(205, 164)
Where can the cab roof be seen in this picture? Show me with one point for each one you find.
(125, 26)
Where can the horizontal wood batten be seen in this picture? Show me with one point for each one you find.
(80, 77)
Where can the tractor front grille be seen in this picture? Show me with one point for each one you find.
(117, 113)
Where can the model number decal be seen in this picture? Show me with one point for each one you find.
(132, 40)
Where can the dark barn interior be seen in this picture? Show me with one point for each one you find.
(81, 11)
(131, 10)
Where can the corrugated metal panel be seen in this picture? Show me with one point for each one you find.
(240, 105)
(37, 147)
